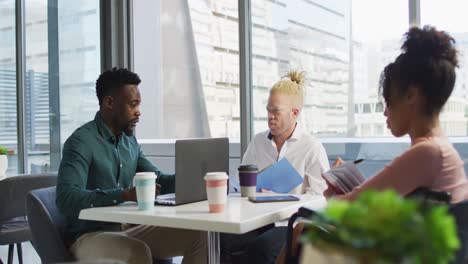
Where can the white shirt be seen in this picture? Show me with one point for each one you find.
(305, 153)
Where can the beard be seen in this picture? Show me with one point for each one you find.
(129, 130)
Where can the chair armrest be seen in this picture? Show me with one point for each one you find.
(430, 196)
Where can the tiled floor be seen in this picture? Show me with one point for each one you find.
(30, 256)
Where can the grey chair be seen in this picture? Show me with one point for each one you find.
(14, 228)
(48, 226)
(460, 212)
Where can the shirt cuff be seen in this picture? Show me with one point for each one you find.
(115, 195)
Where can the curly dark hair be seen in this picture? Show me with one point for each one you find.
(111, 81)
(428, 61)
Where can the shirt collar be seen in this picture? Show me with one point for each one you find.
(297, 133)
(104, 129)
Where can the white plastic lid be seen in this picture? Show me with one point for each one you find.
(216, 175)
(147, 175)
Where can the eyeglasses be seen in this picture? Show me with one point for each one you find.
(276, 111)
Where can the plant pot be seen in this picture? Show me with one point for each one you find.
(325, 253)
(3, 166)
(328, 255)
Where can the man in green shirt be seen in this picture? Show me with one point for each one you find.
(99, 162)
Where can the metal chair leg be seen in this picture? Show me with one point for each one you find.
(10, 253)
(19, 250)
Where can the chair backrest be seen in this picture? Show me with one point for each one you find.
(429, 197)
(460, 212)
(47, 226)
(14, 190)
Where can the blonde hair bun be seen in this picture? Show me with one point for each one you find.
(291, 84)
(297, 77)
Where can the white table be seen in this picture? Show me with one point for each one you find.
(240, 216)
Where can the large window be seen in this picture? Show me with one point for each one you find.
(340, 45)
(187, 55)
(8, 125)
(62, 64)
(376, 41)
(62, 55)
(37, 99)
(454, 118)
(79, 62)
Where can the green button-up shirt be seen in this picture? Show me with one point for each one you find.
(96, 166)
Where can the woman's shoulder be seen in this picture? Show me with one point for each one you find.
(430, 146)
(435, 147)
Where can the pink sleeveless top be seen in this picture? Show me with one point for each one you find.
(431, 162)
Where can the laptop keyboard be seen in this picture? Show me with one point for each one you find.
(168, 196)
(165, 202)
(166, 199)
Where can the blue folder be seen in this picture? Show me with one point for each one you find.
(280, 177)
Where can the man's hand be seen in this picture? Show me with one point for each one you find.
(130, 194)
(158, 189)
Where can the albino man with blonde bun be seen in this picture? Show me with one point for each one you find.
(285, 138)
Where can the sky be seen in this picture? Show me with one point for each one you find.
(375, 20)
(448, 15)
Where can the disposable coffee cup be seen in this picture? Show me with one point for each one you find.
(216, 189)
(145, 184)
(248, 180)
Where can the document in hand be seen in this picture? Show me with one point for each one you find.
(344, 177)
(280, 177)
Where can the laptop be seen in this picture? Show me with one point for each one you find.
(193, 159)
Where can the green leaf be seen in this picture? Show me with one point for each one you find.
(395, 228)
(3, 151)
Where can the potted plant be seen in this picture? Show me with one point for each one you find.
(381, 227)
(3, 161)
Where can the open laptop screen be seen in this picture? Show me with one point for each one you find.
(194, 158)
